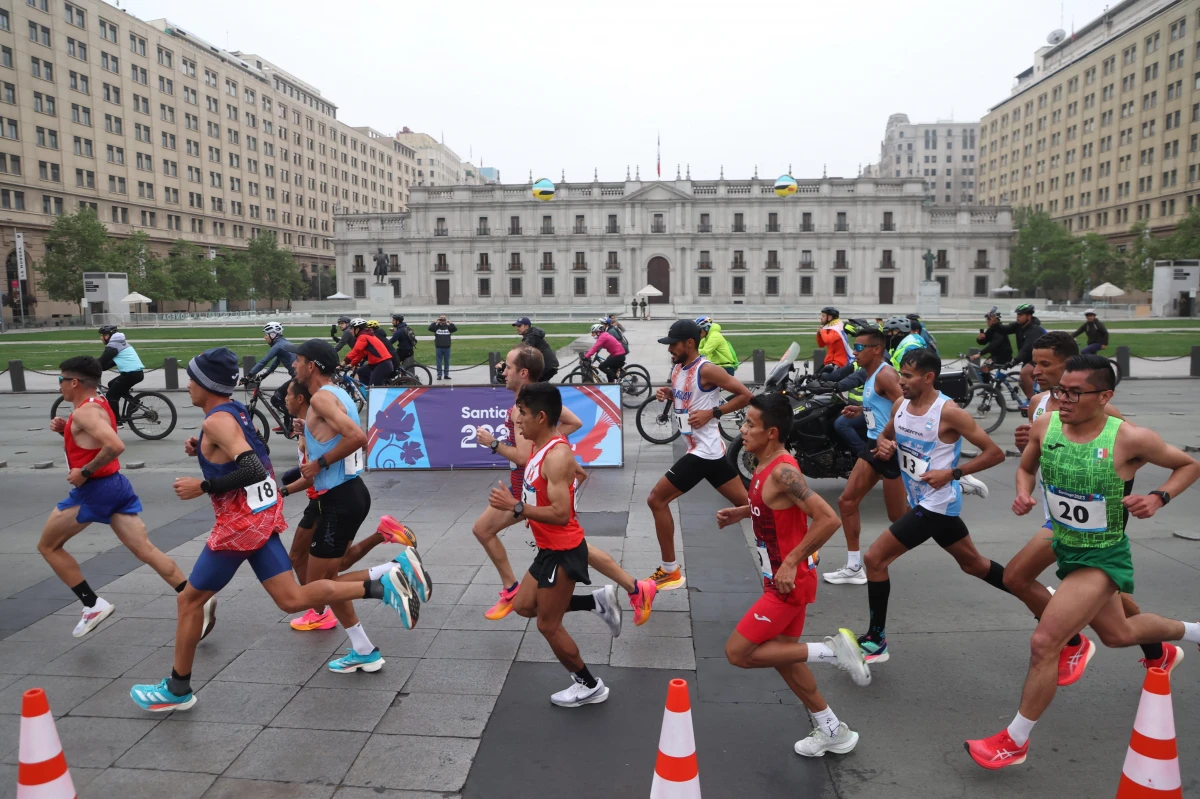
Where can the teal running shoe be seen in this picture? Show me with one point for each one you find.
(414, 571)
(157, 699)
(352, 661)
(873, 651)
(400, 597)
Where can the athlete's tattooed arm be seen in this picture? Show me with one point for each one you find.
(787, 483)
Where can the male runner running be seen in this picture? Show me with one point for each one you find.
(548, 504)
(1088, 460)
(1050, 354)
(249, 516)
(768, 635)
(99, 493)
(880, 392)
(695, 390)
(925, 435)
(521, 366)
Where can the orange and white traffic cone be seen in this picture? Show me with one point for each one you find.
(676, 773)
(1151, 768)
(42, 771)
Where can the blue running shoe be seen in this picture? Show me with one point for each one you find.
(414, 571)
(873, 651)
(157, 699)
(399, 596)
(352, 661)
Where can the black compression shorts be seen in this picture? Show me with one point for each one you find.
(689, 470)
(551, 565)
(343, 510)
(919, 525)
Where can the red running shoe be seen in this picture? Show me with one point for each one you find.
(1172, 657)
(394, 532)
(1073, 661)
(997, 752)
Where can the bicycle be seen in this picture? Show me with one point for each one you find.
(421, 372)
(987, 394)
(263, 427)
(149, 414)
(405, 378)
(730, 424)
(656, 420)
(344, 378)
(633, 379)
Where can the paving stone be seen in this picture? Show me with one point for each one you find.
(273, 756)
(661, 624)
(139, 584)
(273, 666)
(202, 746)
(94, 660)
(121, 783)
(334, 709)
(283, 638)
(463, 677)
(454, 715)
(470, 617)
(594, 648)
(213, 655)
(113, 701)
(96, 742)
(653, 652)
(391, 677)
(64, 693)
(429, 763)
(381, 793)
(50, 628)
(135, 632)
(16, 656)
(447, 594)
(396, 641)
(246, 703)
(226, 788)
(474, 645)
(454, 575)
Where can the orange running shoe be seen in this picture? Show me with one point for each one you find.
(312, 620)
(643, 601)
(667, 581)
(394, 532)
(504, 606)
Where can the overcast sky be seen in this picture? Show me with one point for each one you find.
(548, 85)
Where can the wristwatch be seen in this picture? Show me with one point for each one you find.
(717, 412)
(494, 445)
(956, 473)
(283, 492)
(87, 475)
(1163, 495)
(518, 509)
(324, 464)
(205, 487)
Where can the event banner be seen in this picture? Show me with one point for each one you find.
(434, 427)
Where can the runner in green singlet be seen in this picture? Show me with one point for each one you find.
(1088, 460)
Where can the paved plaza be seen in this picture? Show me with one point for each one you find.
(462, 706)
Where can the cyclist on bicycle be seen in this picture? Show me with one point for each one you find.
(832, 338)
(370, 355)
(120, 354)
(278, 355)
(616, 330)
(995, 342)
(616, 353)
(381, 334)
(347, 335)
(716, 347)
(1027, 330)
(404, 342)
(901, 339)
(919, 328)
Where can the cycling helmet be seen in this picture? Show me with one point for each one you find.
(108, 330)
(993, 312)
(853, 327)
(273, 329)
(703, 322)
(357, 323)
(1025, 307)
(398, 318)
(597, 328)
(898, 323)
(373, 325)
(829, 309)
(343, 319)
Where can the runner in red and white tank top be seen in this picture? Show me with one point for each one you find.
(534, 494)
(777, 533)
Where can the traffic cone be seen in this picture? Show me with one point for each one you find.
(1151, 768)
(42, 771)
(676, 773)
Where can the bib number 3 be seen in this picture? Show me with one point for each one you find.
(261, 496)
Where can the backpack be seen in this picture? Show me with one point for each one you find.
(619, 335)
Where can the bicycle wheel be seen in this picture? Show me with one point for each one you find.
(730, 424)
(261, 425)
(151, 415)
(986, 406)
(651, 424)
(424, 376)
(742, 460)
(641, 370)
(573, 376)
(60, 407)
(634, 388)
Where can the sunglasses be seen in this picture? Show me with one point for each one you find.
(861, 347)
(1071, 395)
(62, 378)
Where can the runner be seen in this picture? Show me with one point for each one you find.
(696, 386)
(249, 516)
(520, 366)
(768, 635)
(99, 493)
(1088, 460)
(880, 392)
(925, 435)
(1050, 354)
(389, 530)
(548, 504)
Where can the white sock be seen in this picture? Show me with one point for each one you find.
(1191, 631)
(359, 640)
(826, 721)
(854, 559)
(1019, 729)
(375, 572)
(670, 565)
(820, 653)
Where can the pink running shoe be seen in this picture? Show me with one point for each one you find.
(394, 532)
(315, 621)
(643, 601)
(504, 606)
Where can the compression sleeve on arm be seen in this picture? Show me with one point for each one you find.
(250, 470)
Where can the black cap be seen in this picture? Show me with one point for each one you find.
(318, 351)
(681, 330)
(524, 320)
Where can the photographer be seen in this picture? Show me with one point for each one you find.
(441, 330)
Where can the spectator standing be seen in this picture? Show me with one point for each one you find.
(633, 305)
(441, 330)
(643, 304)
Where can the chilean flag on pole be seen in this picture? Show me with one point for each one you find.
(659, 166)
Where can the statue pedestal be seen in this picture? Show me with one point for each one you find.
(929, 298)
(380, 300)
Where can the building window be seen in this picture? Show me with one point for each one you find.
(485, 287)
(772, 285)
(613, 286)
(360, 289)
(705, 288)
(981, 286)
(944, 282)
(547, 287)
(739, 285)
(514, 287)
(581, 287)
(839, 286)
(395, 286)
(806, 285)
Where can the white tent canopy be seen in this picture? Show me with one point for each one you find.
(1106, 290)
(138, 298)
(338, 296)
(649, 291)
(1005, 289)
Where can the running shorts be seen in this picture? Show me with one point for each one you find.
(343, 509)
(772, 616)
(573, 562)
(920, 524)
(689, 470)
(888, 470)
(215, 568)
(1116, 561)
(312, 514)
(100, 497)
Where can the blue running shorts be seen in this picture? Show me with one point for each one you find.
(99, 498)
(216, 567)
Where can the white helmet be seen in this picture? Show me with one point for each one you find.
(358, 323)
(597, 329)
(273, 329)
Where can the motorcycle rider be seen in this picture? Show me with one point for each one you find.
(901, 339)
(994, 340)
(919, 328)
(347, 335)
(832, 338)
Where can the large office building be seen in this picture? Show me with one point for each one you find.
(437, 164)
(158, 130)
(1103, 129)
(721, 242)
(943, 153)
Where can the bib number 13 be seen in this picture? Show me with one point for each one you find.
(912, 465)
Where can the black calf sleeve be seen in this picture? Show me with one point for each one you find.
(995, 577)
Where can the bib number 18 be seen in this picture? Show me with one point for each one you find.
(261, 496)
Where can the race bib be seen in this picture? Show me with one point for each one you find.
(870, 414)
(814, 559)
(764, 562)
(261, 496)
(529, 495)
(1086, 513)
(353, 462)
(684, 427)
(912, 464)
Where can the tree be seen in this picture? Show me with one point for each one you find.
(1185, 241)
(75, 243)
(1099, 262)
(1043, 252)
(147, 272)
(273, 270)
(233, 274)
(1144, 249)
(192, 274)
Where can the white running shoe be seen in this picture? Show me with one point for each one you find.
(608, 609)
(210, 617)
(855, 576)
(93, 616)
(819, 742)
(973, 485)
(579, 694)
(850, 657)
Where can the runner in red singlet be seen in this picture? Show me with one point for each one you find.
(787, 555)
